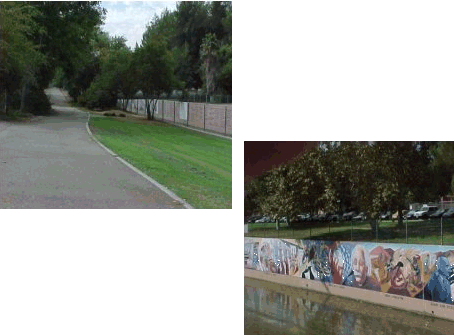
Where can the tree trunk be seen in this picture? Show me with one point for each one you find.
(6, 101)
(400, 222)
(149, 116)
(23, 95)
(373, 225)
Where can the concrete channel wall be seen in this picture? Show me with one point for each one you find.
(418, 278)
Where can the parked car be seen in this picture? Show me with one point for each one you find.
(437, 214)
(410, 215)
(360, 217)
(349, 216)
(254, 218)
(334, 217)
(386, 216)
(322, 217)
(264, 219)
(395, 216)
(424, 212)
(449, 213)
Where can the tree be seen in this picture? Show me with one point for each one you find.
(191, 28)
(224, 78)
(21, 57)
(295, 187)
(155, 71)
(208, 55)
(254, 192)
(115, 66)
(442, 168)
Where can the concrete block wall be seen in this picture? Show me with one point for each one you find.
(418, 278)
(196, 115)
(212, 117)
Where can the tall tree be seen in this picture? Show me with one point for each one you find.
(192, 26)
(155, 71)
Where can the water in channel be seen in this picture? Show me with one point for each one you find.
(270, 308)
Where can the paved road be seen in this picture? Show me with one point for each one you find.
(52, 162)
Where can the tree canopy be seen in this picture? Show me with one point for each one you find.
(363, 176)
(189, 47)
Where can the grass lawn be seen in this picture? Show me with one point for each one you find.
(197, 167)
(416, 232)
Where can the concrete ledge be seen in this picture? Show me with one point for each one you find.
(426, 308)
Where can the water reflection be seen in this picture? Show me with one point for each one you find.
(273, 309)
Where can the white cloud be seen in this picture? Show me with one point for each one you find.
(130, 18)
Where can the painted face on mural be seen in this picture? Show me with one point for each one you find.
(359, 265)
(338, 266)
(397, 277)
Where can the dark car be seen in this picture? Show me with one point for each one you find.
(437, 214)
(386, 216)
(334, 217)
(322, 217)
(449, 213)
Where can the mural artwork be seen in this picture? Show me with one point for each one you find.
(418, 271)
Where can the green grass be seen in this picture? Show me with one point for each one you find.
(197, 167)
(416, 232)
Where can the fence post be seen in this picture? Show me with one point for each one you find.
(351, 234)
(441, 228)
(204, 105)
(225, 120)
(187, 117)
(174, 111)
(406, 231)
(162, 104)
(376, 232)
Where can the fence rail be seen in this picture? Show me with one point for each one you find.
(435, 231)
(211, 117)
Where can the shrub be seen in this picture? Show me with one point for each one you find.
(37, 102)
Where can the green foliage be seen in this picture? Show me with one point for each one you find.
(224, 79)
(114, 74)
(38, 37)
(154, 66)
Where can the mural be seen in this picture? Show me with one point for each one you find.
(418, 271)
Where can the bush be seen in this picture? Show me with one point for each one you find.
(98, 96)
(122, 115)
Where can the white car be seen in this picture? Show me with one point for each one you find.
(263, 220)
(424, 212)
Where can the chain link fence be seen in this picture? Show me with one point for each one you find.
(433, 231)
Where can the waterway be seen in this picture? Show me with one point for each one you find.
(271, 308)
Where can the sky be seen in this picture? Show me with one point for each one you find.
(130, 18)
